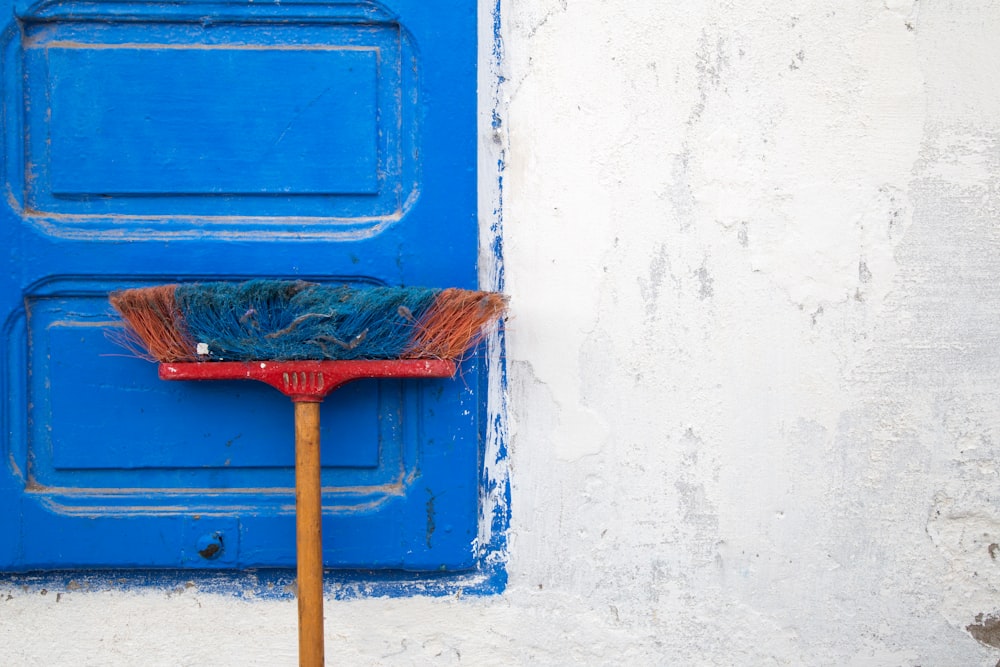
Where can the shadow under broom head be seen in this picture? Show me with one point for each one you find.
(284, 320)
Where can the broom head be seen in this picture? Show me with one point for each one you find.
(294, 320)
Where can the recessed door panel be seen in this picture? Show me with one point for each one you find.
(209, 119)
(230, 123)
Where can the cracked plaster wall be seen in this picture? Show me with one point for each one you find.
(753, 254)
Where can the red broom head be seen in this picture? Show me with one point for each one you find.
(455, 322)
(154, 326)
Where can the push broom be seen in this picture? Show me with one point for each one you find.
(305, 340)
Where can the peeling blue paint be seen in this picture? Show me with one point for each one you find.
(492, 565)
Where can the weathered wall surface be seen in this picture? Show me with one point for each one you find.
(753, 252)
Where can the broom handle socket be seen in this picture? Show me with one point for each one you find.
(309, 534)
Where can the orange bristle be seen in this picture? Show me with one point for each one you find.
(454, 323)
(154, 322)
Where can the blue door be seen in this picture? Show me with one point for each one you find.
(153, 143)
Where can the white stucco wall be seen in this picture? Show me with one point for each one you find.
(753, 253)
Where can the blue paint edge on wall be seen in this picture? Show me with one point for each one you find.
(490, 575)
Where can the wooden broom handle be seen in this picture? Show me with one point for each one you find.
(309, 534)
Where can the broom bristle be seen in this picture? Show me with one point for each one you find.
(287, 320)
(154, 322)
(456, 321)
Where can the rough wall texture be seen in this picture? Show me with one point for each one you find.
(753, 252)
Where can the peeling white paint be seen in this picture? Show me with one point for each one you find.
(754, 413)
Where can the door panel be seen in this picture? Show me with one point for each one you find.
(128, 131)
(221, 121)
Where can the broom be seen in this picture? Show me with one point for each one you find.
(305, 339)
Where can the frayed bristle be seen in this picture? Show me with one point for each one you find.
(153, 321)
(454, 323)
(285, 320)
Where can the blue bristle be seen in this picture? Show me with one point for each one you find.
(285, 320)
